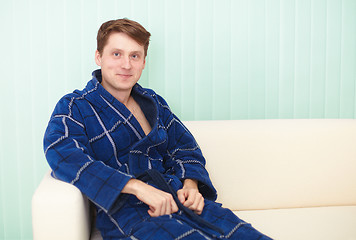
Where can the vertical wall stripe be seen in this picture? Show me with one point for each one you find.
(333, 59)
(256, 58)
(239, 65)
(188, 59)
(302, 82)
(2, 180)
(11, 192)
(173, 46)
(272, 54)
(348, 56)
(221, 56)
(317, 59)
(214, 59)
(204, 67)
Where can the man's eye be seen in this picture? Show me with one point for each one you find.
(134, 56)
(116, 54)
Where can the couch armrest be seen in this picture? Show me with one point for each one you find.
(59, 211)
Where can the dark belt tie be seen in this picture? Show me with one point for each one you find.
(157, 179)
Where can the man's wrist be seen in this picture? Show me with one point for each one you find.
(190, 183)
(132, 186)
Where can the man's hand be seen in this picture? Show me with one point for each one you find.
(190, 196)
(159, 202)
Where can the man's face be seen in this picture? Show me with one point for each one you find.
(121, 62)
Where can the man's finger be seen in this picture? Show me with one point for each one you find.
(181, 196)
(168, 204)
(200, 207)
(174, 207)
(191, 198)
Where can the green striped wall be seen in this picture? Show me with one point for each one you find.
(211, 59)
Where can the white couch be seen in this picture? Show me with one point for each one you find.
(292, 179)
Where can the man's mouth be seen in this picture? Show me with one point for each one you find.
(124, 75)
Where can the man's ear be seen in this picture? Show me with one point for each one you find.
(144, 63)
(97, 58)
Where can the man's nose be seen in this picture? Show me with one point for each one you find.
(126, 63)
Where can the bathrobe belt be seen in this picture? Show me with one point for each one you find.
(157, 179)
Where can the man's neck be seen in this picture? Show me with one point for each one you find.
(123, 97)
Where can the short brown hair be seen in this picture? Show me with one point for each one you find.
(133, 29)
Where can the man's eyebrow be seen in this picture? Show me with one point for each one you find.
(132, 52)
(136, 52)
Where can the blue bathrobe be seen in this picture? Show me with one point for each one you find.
(95, 143)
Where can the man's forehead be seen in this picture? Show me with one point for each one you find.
(123, 42)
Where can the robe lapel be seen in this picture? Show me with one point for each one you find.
(115, 111)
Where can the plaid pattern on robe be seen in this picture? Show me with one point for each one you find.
(95, 143)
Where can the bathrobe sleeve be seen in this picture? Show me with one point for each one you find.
(68, 153)
(184, 153)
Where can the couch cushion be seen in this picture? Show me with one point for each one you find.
(320, 223)
(262, 164)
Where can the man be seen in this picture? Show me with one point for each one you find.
(121, 145)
